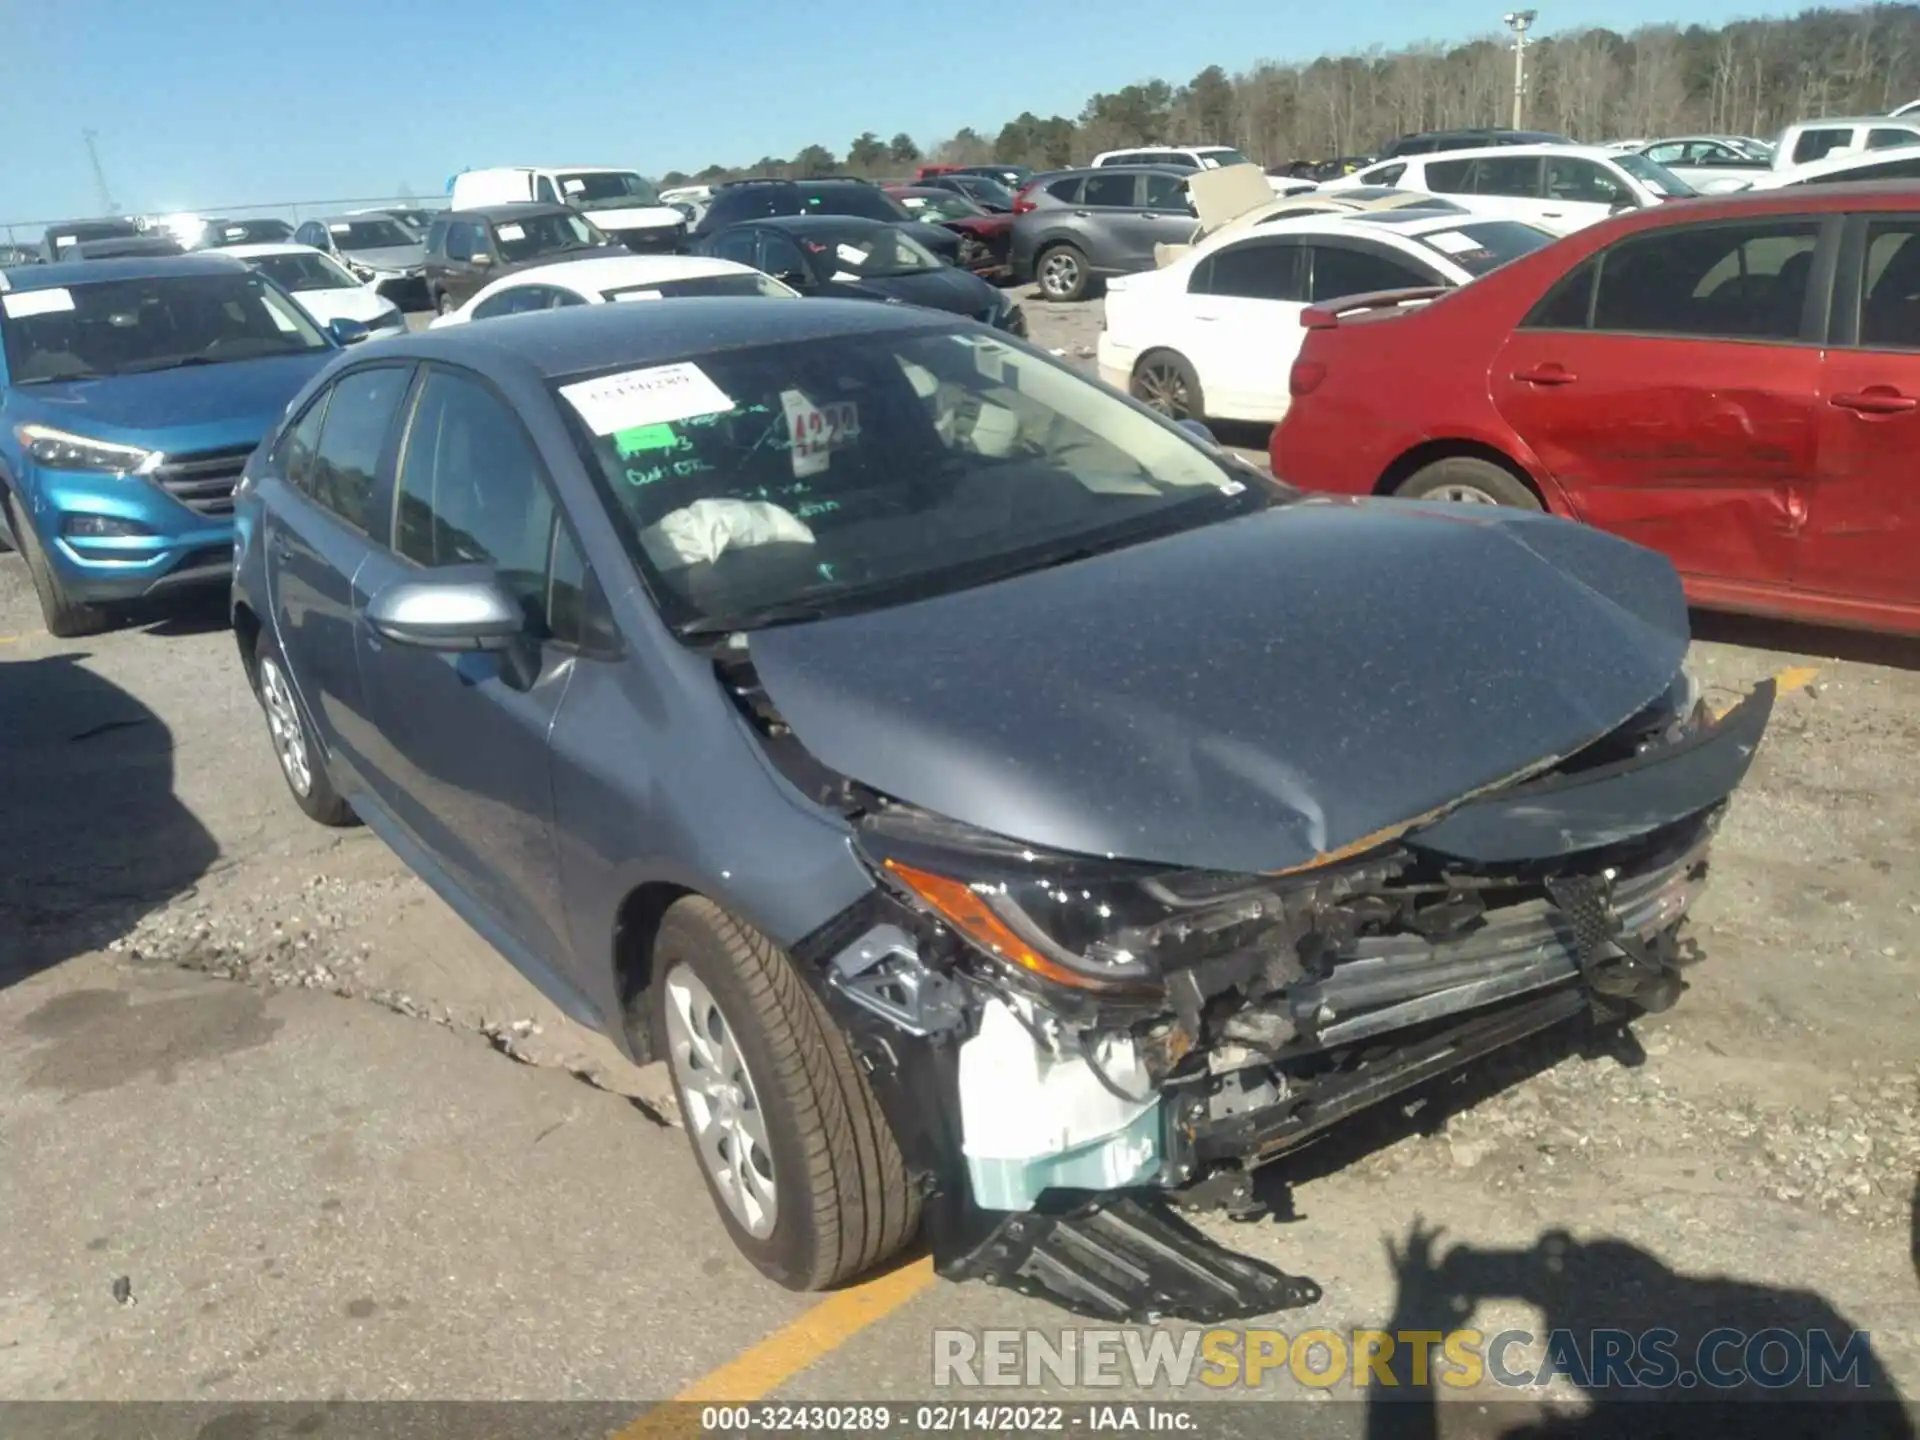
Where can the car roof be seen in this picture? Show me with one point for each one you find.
(1179, 170)
(1874, 195)
(1848, 161)
(550, 344)
(816, 222)
(519, 210)
(68, 273)
(1591, 152)
(609, 270)
(260, 250)
(347, 215)
(1892, 122)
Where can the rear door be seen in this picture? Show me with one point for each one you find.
(1671, 385)
(1108, 221)
(1510, 186)
(1864, 510)
(319, 528)
(458, 752)
(1240, 325)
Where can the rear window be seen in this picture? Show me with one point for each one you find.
(1818, 144)
(868, 202)
(1483, 245)
(1449, 177)
(1067, 190)
(754, 284)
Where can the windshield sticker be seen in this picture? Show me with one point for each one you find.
(511, 232)
(852, 254)
(341, 228)
(1231, 487)
(60, 241)
(573, 187)
(235, 232)
(1452, 242)
(638, 295)
(815, 431)
(651, 396)
(639, 438)
(22, 303)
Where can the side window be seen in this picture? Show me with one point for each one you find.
(471, 490)
(1672, 154)
(1568, 305)
(1890, 138)
(543, 191)
(1890, 289)
(346, 467)
(1715, 281)
(298, 444)
(1168, 192)
(437, 238)
(514, 301)
(1449, 177)
(1259, 270)
(1068, 189)
(1571, 178)
(1384, 174)
(1885, 170)
(737, 245)
(575, 605)
(1815, 144)
(460, 241)
(1109, 191)
(779, 255)
(1511, 175)
(311, 234)
(1358, 272)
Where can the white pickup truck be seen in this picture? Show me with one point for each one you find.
(620, 202)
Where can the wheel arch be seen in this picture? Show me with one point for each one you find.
(1427, 452)
(636, 928)
(246, 634)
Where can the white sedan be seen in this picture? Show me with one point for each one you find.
(613, 278)
(1215, 333)
(324, 287)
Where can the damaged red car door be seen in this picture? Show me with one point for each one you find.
(1863, 510)
(1671, 386)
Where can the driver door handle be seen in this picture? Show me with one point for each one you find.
(1548, 374)
(1876, 400)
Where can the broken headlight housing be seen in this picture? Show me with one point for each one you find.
(1109, 929)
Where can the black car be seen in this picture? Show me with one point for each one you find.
(467, 249)
(848, 258)
(740, 200)
(1426, 142)
(60, 239)
(261, 230)
(121, 247)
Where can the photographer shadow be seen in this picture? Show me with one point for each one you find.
(1608, 1285)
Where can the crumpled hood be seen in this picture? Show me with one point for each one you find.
(958, 291)
(200, 407)
(1248, 696)
(390, 257)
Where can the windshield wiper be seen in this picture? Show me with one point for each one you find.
(765, 617)
(178, 363)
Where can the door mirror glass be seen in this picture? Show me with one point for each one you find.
(457, 608)
(347, 332)
(482, 259)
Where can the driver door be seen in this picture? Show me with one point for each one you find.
(1581, 192)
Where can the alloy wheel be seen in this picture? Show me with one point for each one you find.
(722, 1106)
(1059, 274)
(283, 723)
(1463, 495)
(1162, 387)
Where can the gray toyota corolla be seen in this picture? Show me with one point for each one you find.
(998, 805)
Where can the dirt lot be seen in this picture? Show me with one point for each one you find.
(255, 1069)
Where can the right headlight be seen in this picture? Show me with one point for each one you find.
(63, 450)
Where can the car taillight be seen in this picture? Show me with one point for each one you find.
(1305, 377)
(1021, 203)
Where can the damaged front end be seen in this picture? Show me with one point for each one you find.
(1052, 1035)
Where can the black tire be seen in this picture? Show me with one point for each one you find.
(316, 797)
(1061, 273)
(1163, 380)
(443, 303)
(1468, 473)
(843, 1201)
(65, 619)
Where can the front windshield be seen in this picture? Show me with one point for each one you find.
(600, 188)
(941, 205)
(67, 236)
(864, 252)
(377, 232)
(550, 234)
(864, 469)
(1478, 246)
(1222, 157)
(986, 190)
(128, 327)
(753, 283)
(1752, 149)
(304, 272)
(1656, 178)
(221, 233)
(868, 202)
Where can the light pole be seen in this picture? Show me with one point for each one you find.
(1518, 21)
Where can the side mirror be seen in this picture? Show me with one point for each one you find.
(347, 332)
(1198, 429)
(482, 260)
(1623, 205)
(458, 609)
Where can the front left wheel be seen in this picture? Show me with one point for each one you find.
(65, 618)
(795, 1151)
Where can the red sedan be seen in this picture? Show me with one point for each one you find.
(1734, 382)
(984, 238)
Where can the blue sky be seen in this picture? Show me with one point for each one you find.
(203, 103)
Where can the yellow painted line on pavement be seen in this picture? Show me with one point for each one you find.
(805, 1340)
(1794, 677)
(11, 639)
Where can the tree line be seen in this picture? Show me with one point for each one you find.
(1750, 77)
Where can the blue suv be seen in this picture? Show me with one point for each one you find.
(131, 393)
